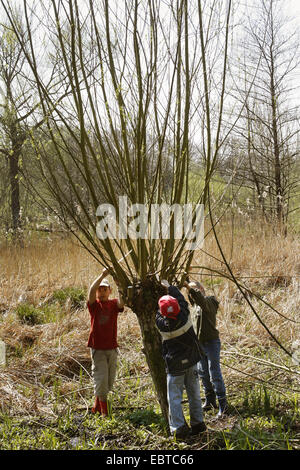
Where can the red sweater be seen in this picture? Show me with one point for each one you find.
(103, 332)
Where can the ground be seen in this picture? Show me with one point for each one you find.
(46, 389)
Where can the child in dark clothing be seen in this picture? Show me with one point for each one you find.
(181, 352)
(209, 364)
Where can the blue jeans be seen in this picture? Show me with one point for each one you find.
(209, 369)
(175, 385)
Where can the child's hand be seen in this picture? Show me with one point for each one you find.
(164, 283)
(105, 272)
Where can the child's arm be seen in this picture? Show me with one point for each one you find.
(94, 286)
(120, 299)
(196, 295)
(175, 292)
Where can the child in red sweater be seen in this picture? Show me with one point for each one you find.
(103, 339)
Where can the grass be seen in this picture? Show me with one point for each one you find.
(46, 388)
(138, 426)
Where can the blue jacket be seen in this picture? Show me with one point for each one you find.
(180, 347)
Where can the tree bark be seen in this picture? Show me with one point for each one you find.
(277, 165)
(15, 190)
(144, 304)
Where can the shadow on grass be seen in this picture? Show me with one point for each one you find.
(145, 417)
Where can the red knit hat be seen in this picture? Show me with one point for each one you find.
(169, 306)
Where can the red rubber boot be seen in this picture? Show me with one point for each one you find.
(103, 405)
(97, 406)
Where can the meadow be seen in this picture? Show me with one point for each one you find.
(46, 390)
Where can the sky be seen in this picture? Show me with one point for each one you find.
(292, 7)
(289, 7)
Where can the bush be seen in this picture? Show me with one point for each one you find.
(31, 315)
(75, 294)
(28, 314)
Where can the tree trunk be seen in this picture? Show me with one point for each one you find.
(276, 148)
(144, 304)
(15, 190)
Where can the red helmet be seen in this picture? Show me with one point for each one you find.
(169, 306)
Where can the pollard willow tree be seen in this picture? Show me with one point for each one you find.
(142, 86)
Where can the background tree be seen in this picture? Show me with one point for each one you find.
(14, 110)
(269, 127)
(20, 115)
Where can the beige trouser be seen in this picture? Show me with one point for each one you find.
(104, 368)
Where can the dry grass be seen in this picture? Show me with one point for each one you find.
(57, 351)
(42, 267)
(269, 267)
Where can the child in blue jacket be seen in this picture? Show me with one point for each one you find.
(181, 353)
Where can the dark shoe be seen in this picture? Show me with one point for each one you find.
(210, 402)
(198, 428)
(223, 408)
(182, 432)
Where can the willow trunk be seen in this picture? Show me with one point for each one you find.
(144, 304)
